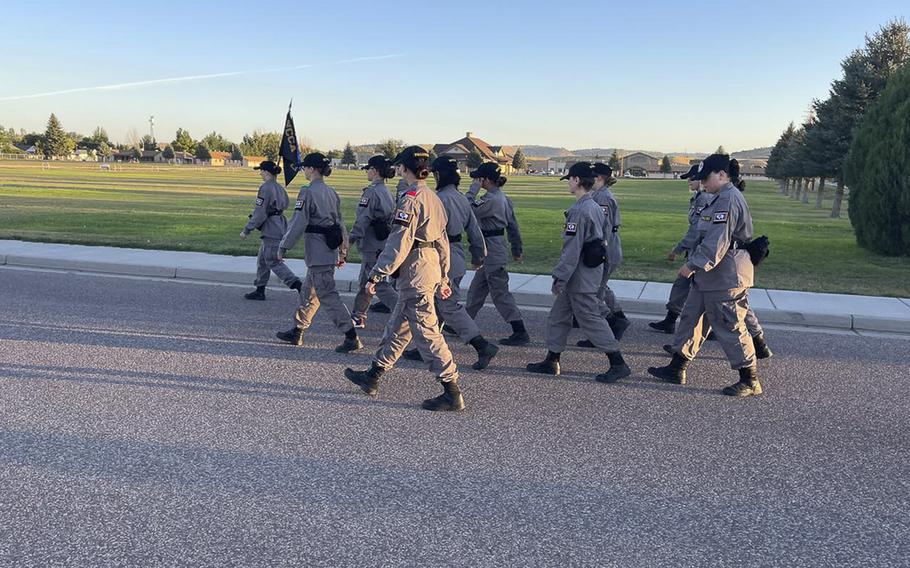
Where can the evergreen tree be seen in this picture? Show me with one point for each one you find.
(202, 152)
(665, 167)
(217, 142)
(390, 147)
(775, 167)
(148, 143)
(720, 150)
(168, 152)
(183, 142)
(615, 164)
(348, 157)
(877, 170)
(518, 161)
(236, 154)
(55, 143)
(474, 159)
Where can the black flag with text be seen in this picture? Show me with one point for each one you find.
(290, 150)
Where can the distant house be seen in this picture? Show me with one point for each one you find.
(253, 161)
(184, 158)
(127, 155)
(219, 158)
(27, 148)
(84, 155)
(460, 149)
(152, 157)
(639, 163)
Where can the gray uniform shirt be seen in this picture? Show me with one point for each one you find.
(724, 224)
(317, 204)
(494, 212)
(375, 205)
(268, 215)
(584, 223)
(697, 203)
(419, 218)
(613, 220)
(461, 220)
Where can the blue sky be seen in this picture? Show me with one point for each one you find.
(668, 76)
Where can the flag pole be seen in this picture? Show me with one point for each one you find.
(278, 163)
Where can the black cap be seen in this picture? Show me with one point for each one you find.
(409, 157)
(444, 164)
(315, 160)
(269, 166)
(379, 162)
(602, 169)
(711, 164)
(487, 170)
(580, 169)
(692, 171)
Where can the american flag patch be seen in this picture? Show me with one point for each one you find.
(402, 217)
(364, 201)
(720, 217)
(259, 201)
(299, 205)
(571, 228)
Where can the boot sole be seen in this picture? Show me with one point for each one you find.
(672, 380)
(627, 372)
(537, 372)
(342, 349)
(662, 329)
(364, 388)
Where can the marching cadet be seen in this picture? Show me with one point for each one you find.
(317, 216)
(268, 218)
(496, 216)
(680, 290)
(460, 220)
(370, 231)
(697, 202)
(577, 279)
(722, 273)
(419, 251)
(604, 197)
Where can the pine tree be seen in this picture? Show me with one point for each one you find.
(615, 163)
(202, 152)
(474, 159)
(236, 154)
(518, 161)
(168, 153)
(183, 142)
(349, 157)
(720, 150)
(665, 167)
(55, 140)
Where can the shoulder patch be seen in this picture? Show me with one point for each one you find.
(411, 192)
(299, 205)
(259, 201)
(706, 217)
(606, 210)
(478, 202)
(720, 217)
(402, 218)
(571, 229)
(364, 201)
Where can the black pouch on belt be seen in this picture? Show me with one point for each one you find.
(593, 253)
(758, 249)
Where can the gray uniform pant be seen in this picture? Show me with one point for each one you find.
(585, 307)
(417, 316)
(726, 311)
(605, 296)
(267, 262)
(680, 291)
(493, 281)
(455, 314)
(385, 291)
(319, 289)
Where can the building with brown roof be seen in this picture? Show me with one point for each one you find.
(461, 148)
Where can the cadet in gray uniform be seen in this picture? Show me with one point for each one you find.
(268, 218)
(317, 216)
(577, 278)
(460, 220)
(680, 289)
(496, 216)
(722, 274)
(370, 231)
(419, 249)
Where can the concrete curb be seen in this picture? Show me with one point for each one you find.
(837, 311)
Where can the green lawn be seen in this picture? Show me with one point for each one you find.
(203, 209)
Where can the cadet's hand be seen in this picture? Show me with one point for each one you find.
(477, 266)
(445, 292)
(341, 262)
(685, 271)
(370, 288)
(518, 257)
(242, 234)
(672, 256)
(281, 254)
(558, 287)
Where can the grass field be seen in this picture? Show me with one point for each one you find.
(203, 209)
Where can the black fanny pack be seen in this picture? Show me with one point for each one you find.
(333, 234)
(593, 253)
(758, 249)
(381, 228)
(494, 233)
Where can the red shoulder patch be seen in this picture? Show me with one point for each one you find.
(412, 192)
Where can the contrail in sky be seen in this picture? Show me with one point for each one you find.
(191, 78)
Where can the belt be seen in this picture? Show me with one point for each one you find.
(317, 229)
(494, 233)
(273, 213)
(454, 238)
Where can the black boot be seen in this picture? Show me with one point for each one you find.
(368, 380)
(762, 351)
(549, 366)
(449, 401)
(380, 308)
(519, 335)
(748, 384)
(618, 323)
(675, 372)
(257, 294)
(293, 336)
(666, 325)
(485, 352)
(296, 285)
(412, 355)
(351, 342)
(618, 369)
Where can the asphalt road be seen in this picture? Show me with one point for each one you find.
(154, 423)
